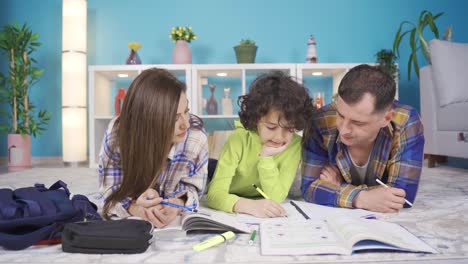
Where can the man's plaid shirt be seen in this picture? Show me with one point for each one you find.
(396, 158)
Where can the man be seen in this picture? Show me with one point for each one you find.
(365, 135)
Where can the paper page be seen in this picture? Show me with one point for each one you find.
(299, 237)
(292, 214)
(316, 211)
(355, 230)
(208, 219)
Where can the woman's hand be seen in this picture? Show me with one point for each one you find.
(170, 211)
(148, 206)
(263, 208)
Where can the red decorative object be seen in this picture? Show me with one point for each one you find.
(119, 100)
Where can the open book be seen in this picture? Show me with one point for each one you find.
(208, 220)
(341, 235)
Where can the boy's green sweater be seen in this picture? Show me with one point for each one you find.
(240, 166)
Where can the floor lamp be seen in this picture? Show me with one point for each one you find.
(74, 81)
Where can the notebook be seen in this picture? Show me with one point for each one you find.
(341, 235)
(297, 210)
(208, 220)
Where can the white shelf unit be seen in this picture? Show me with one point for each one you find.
(241, 73)
(335, 70)
(102, 80)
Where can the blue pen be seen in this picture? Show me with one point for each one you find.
(190, 209)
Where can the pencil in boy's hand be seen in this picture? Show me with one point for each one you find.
(385, 185)
(260, 191)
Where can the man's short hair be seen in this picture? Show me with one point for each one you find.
(364, 79)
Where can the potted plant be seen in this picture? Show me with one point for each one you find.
(246, 51)
(18, 44)
(416, 38)
(181, 36)
(386, 61)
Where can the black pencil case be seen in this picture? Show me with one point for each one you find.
(126, 236)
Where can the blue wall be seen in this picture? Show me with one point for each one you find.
(346, 31)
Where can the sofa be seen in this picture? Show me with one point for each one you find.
(444, 101)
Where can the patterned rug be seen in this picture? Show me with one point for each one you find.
(439, 217)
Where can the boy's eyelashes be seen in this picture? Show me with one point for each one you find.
(292, 130)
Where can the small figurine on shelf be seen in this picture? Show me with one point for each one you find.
(318, 100)
(133, 57)
(226, 102)
(212, 104)
(118, 102)
(311, 50)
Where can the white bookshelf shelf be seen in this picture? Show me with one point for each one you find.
(105, 79)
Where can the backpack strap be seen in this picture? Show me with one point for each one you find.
(30, 208)
(57, 185)
(23, 240)
(47, 207)
(60, 184)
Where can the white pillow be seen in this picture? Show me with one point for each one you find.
(450, 71)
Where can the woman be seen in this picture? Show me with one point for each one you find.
(154, 151)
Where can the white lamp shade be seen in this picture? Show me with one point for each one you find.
(74, 66)
(73, 79)
(74, 25)
(74, 134)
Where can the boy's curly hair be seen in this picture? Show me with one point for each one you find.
(276, 91)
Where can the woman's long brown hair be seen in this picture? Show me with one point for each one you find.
(145, 131)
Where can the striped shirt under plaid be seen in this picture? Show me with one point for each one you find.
(396, 158)
(185, 172)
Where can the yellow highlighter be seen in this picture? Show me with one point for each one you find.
(260, 191)
(214, 241)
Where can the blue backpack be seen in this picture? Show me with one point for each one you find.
(31, 214)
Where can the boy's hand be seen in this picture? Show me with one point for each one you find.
(381, 199)
(331, 174)
(263, 208)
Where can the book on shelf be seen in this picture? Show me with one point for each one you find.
(341, 235)
(208, 220)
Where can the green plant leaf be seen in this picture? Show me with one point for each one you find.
(399, 37)
(415, 62)
(433, 27)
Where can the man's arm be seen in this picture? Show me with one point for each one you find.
(404, 167)
(316, 190)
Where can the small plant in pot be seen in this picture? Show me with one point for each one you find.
(246, 51)
(386, 61)
(18, 43)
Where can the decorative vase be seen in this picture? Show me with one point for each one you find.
(181, 54)
(133, 58)
(212, 104)
(226, 102)
(19, 152)
(311, 50)
(118, 101)
(245, 54)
